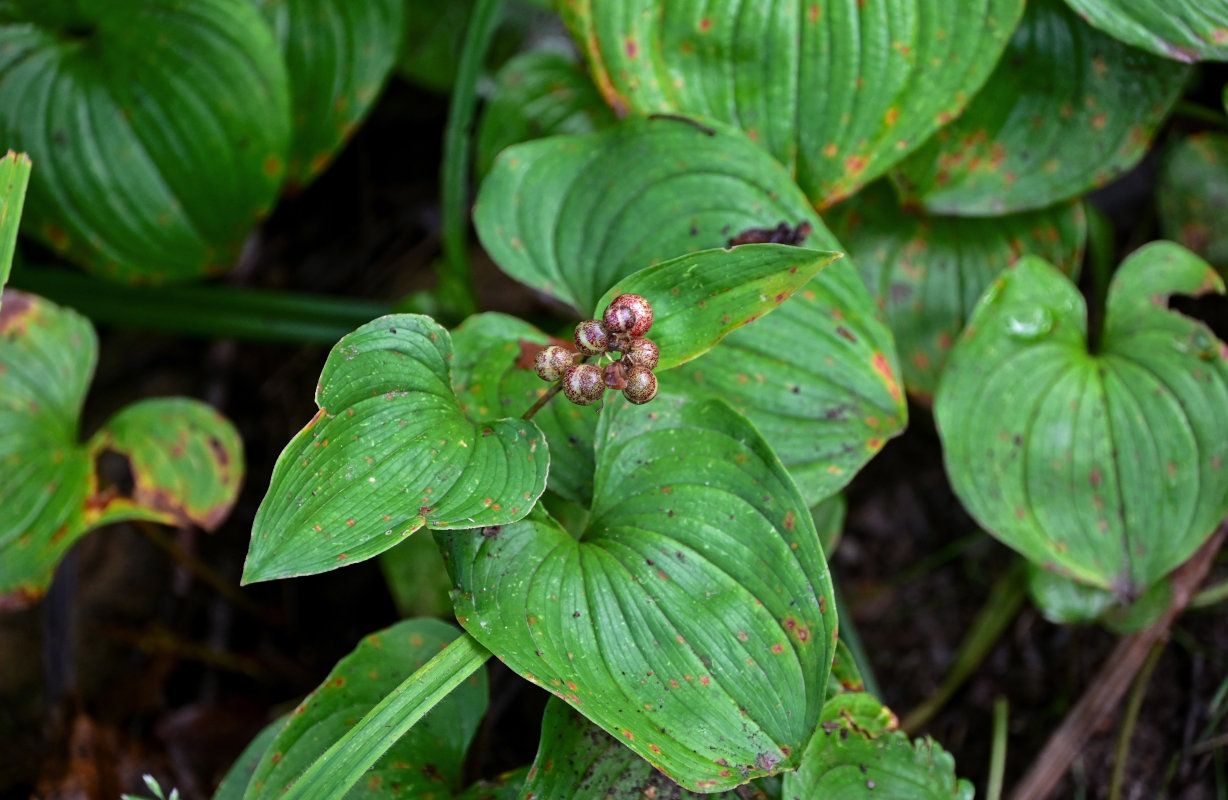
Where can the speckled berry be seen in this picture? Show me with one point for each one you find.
(643, 352)
(592, 338)
(582, 384)
(550, 362)
(641, 385)
(628, 313)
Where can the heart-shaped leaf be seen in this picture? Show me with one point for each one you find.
(928, 271)
(693, 619)
(390, 451)
(178, 460)
(338, 55)
(425, 762)
(700, 298)
(1107, 466)
(14, 177)
(837, 91)
(1190, 30)
(1192, 195)
(160, 127)
(1067, 110)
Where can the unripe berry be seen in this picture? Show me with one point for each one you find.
(641, 385)
(628, 313)
(550, 362)
(582, 384)
(643, 352)
(592, 338)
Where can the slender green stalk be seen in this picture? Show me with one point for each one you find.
(1005, 600)
(343, 764)
(848, 635)
(1100, 259)
(1133, 705)
(997, 753)
(14, 177)
(1191, 110)
(456, 288)
(1210, 596)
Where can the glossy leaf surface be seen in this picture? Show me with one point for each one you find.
(338, 55)
(1192, 195)
(837, 91)
(390, 451)
(425, 762)
(161, 129)
(1185, 30)
(929, 270)
(1067, 110)
(14, 177)
(693, 618)
(1105, 466)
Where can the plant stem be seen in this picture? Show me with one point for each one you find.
(997, 753)
(343, 764)
(1191, 110)
(456, 287)
(541, 401)
(1133, 705)
(1211, 595)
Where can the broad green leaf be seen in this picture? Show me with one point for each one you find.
(1185, 30)
(692, 620)
(493, 376)
(1067, 110)
(828, 519)
(389, 451)
(425, 762)
(178, 460)
(160, 126)
(234, 784)
(540, 93)
(507, 786)
(338, 55)
(1107, 466)
(928, 271)
(859, 754)
(700, 298)
(571, 216)
(1064, 601)
(431, 53)
(14, 176)
(577, 759)
(1192, 195)
(838, 92)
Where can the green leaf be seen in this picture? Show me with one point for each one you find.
(161, 128)
(845, 677)
(431, 55)
(424, 761)
(828, 519)
(1192, 195)
(1063, 601)
(838, 92)
(234, 784)
(180, 462)
(540, 93)
(699, 298)
(571, 216)
(858, 753)
(338, 55)
(577, 759)
(1067, 110)
(389, 451)
(14, 176)
(1107, 466)
(928, 271)
(1185, 30)
(693, 620)
(506, 787)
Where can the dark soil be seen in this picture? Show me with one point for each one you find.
(132, 664)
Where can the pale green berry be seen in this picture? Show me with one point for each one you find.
(582, 384)
(592, 338)
(641, 385)
(550, 362)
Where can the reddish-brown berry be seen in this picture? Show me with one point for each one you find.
(643, 352)
(592, 338)
(641, 385)
(582, 384)
(628, 313)
(550, 362)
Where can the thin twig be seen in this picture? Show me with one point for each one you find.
(1114, 678)
(541, 401)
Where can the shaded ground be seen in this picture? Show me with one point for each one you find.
(144, 668)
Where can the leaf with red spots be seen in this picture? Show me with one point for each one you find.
(390, 451)
(160, 127)
(577, 759)
(338, 56)
(425, 762)
(687, 620)
(1105, 465)
(14, 177)
(1067, 110)
(171, 460)
(1192, 196)
(837, 91)
(1185, 30)
(929, 270)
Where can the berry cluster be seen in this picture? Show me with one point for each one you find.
(621, 329)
